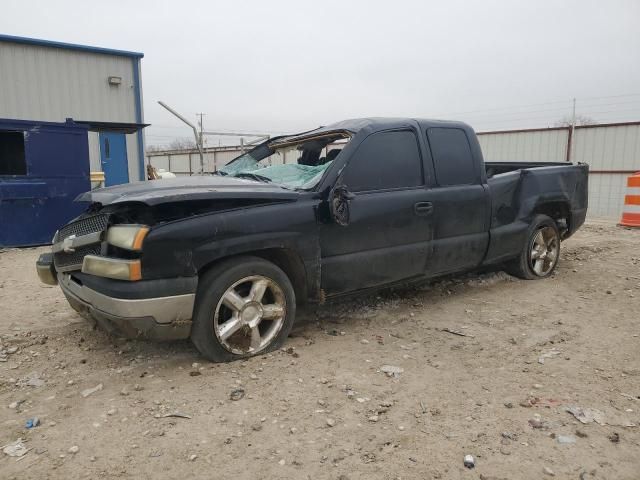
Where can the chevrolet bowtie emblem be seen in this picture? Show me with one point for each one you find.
(67, 244)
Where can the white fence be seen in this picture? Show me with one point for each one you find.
(612, 152)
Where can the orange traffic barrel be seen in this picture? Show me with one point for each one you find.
(631, 210)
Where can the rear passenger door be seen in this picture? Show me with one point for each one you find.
(389, 229)
(461, 203)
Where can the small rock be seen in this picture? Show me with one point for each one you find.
(12, 350)
(373, 418)
(74, 449)
(614, 437)
(138, 387)
(391, 370)
(282, 462)
(537, 386)
(548, 471)
(91, 391)
(581, 434)
(364, 341)
(236, 394)
(331, 422)
(195, 365)
(469, 461)
(192, 457)
(113, 411)
(566, 439)
(195, 373)
(35, 381)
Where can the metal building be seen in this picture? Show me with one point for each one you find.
(65, 110)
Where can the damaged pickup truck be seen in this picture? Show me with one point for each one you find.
(225, 258)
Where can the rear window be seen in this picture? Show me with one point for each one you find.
(385, 160)
(452, 157)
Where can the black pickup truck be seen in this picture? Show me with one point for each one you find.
(360, 204)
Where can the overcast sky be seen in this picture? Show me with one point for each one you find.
(280, 66)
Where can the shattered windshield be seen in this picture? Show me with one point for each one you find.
(294, 164)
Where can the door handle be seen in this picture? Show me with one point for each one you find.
(423, 208)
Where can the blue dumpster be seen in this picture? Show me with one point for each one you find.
(43, 167)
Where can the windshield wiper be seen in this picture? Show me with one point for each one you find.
(253, 176)
(221, 173)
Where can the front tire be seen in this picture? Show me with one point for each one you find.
(541, 252)
(245, 306)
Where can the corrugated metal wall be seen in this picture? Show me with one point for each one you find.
(525, 146)
(612, 152)
(52, 84)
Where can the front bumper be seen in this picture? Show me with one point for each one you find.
(153, 309)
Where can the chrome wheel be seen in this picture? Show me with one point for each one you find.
(250, 315)
(544, 251)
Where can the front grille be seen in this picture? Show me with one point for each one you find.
(84, 226)
(73, 261)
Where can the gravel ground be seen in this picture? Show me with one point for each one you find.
(323, 407)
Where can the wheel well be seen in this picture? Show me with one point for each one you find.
(288, 261)
(559, 212)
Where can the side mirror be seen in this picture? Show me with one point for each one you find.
(339, 200)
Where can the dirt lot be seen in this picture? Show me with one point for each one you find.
(322, 408)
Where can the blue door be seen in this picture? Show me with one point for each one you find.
(113, 156)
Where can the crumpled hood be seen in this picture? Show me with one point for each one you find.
(205, 187)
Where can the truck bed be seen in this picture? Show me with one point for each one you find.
(497, 168)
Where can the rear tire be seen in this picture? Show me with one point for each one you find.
(245, 306)
(541, 251)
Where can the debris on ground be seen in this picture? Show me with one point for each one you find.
(550, 354)
(392, 370)
(32, 422)
(237, 394)
(457, 332)
(176, 415)
(614, 437)
(15, 449)
(586, 415)
(74, 449)
(469, 461)
(34, 381)
(566, 439)
(548, 471)
(91, 391)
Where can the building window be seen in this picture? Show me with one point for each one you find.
(12, 160)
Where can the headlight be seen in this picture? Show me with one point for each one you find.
(129, 237)
(112, 268)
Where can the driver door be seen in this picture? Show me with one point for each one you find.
(390, 217)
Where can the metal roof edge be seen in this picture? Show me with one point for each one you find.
(69, 46)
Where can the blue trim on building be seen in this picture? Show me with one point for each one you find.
(69, 46)
(138, 96)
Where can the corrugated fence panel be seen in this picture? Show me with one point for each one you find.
(549, 146)
(608, 148)
(606, 194)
